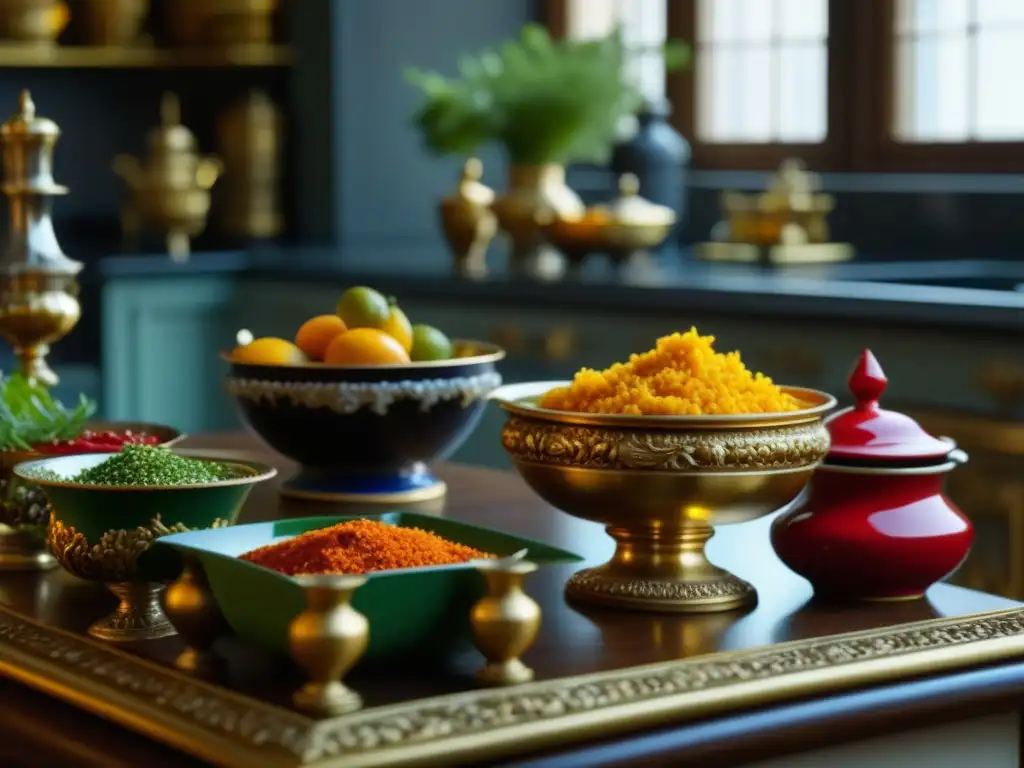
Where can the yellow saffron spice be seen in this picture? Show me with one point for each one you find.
(681, 376)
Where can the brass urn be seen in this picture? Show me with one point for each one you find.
(38, 283)
(109, 22)
(184, 21)
(221, 23)
(169, 192)
(240, 22)
(33, 21)
(249, 137)
(535, 194)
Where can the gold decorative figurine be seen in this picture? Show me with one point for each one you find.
(468, 221)
(191, 607)
(326, 640)
(505, 622)
(785, 224)
(170, 192)
(38, 283)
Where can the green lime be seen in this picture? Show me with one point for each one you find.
(363, 307)
(428, 343)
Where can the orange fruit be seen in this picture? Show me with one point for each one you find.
(316, 333)
(365, 346)
(269, 351)
(399, 328)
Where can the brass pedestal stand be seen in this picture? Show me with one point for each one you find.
(38, 306)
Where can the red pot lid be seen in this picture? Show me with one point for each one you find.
(868, 432)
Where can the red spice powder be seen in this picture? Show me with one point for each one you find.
(360, 546)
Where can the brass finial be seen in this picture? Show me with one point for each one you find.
(473, 170)
(170, 110)
(26, 107)
(629, 185)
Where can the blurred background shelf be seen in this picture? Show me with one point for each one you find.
(20, 56)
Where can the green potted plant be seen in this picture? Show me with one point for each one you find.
(547, 103)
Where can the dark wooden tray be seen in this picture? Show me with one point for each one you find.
(599, 674)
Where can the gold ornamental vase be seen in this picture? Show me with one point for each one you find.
(659, 485)
(535, 194)
(249, 140)
(109, 22)
(33, 21)
(184, 20)
(240, 22)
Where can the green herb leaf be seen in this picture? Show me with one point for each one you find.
(544, 100)
(30, 416)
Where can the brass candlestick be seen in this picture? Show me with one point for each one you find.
(505, 621)
(326, 640)
(38, 285)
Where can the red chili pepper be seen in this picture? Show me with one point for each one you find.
(97, 442)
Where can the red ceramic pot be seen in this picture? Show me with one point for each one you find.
(863, 533)
(874, 523)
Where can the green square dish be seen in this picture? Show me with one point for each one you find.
(409, 610)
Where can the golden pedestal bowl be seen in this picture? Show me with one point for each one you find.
(659, 484)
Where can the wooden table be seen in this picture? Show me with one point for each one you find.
(982, 701)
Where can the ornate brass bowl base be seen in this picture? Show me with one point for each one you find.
(605, 586)
(661, 573)
(21, 551)
(138, 616)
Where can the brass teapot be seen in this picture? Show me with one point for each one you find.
(169, 192)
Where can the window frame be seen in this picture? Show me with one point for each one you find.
(861, 67)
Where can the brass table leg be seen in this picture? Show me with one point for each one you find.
(505, 622)
(326, 640)
(192, 609)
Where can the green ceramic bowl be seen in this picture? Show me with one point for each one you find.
(99, 532)
(410, 610)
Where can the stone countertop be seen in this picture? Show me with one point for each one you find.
(874, 291)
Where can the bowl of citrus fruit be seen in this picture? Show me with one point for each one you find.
(363, 399)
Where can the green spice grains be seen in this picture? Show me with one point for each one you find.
(139, 465)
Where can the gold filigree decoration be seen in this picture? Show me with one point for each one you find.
(780, 447)
(115, 555)
(591, 581)
(22, 504)
(123, 686)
